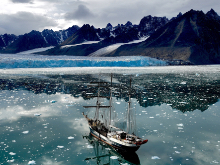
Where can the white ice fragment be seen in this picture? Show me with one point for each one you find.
(215, 162)
(180, 125)
(60, 146)
(70, 137)
(37, 114)
(118, 103)
(108, 149)
(10, 161)
(89, 146)
(12, 153)
(25, 132)
(13, 141)
(151, 117)
(32, 162)
(53, 101)
(155, 157)
(182, 102)
(208, 141)
(177, 152)
(113, 157)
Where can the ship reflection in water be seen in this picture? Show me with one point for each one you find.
(106, 155)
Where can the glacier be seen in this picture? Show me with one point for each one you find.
(44, 61)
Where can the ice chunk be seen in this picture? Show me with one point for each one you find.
(113, 157)
(25, 132)
(32, 162)
(89, 146)
(10, 161)
(12, 153)
(60, 146)
(70, 137)
(155, 157)
(37, 114)
(180, 125)
(53, 101)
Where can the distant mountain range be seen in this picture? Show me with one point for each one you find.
(190, 38)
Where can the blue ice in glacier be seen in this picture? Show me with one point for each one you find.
(43, 61)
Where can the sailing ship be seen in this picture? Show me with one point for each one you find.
(104, 154)
(107, 133)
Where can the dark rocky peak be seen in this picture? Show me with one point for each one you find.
(7, 39)
(179, 15)
(148, 25)
(213, 14)
(74, 28)
(109, 27)
(128, 24)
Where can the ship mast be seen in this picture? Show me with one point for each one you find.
(110, 102)
(98, 103)
(128, 111)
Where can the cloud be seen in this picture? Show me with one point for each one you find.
(81, 13)
(22, 1)
(24, 22)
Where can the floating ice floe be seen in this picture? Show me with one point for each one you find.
(60, 146)
(13, 141)
(70, 137)
(10, 161)
(113, 157)
(89, 146)
(155, 157)
(12, 153)
(25, 132)
(180, 125)
(32, 162)
(53, 101)
(177, 152)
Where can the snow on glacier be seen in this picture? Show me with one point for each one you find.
(86, 42)
(36, 50)
(43, 61)
(111, 48)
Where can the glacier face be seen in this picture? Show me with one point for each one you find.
(42, 61)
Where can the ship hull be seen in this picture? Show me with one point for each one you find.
(114, 144)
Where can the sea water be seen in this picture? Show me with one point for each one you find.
(175, 108)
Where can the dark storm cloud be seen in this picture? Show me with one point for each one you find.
(22, 1)
(23, 22)
(81, 13)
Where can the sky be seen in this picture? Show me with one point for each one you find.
(22, 16)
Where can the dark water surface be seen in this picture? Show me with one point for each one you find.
(177, 109)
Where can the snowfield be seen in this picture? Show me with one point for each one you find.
(113, 47)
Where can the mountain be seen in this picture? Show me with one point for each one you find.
(106, 36)
(193, 37)
(34, 39)
(7, 39)
(85, 33)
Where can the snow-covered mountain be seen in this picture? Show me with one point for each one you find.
(10, 43)
(75, 35)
